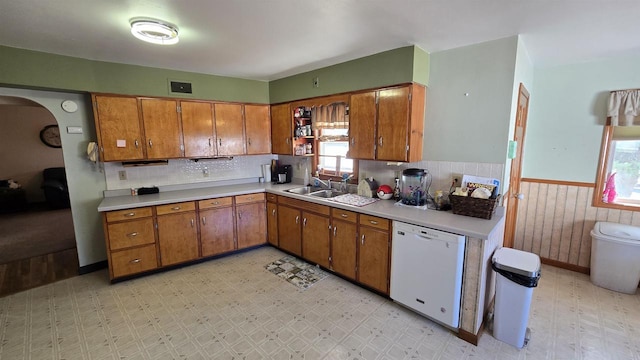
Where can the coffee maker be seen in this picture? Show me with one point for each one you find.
(283, 174)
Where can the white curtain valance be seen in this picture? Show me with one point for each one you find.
(624, 107)
(332, 116)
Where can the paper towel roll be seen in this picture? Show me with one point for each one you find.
(266, 172)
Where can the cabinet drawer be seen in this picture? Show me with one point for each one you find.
(305, 205)
(272, 197)
(132, 261)
(345, 215)
(215, 203)
(128, 214)
(175, 208)
(249, 198)
(131, 233)
(375, 222)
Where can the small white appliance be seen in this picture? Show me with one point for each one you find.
(426, 271)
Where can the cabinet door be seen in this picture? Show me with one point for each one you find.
(197, 129)
(130, 233)
(217, 231)
(178, 237)
(272, 223)
(229, 129)
(362, 129)
(343, 248)
(118, 128)
(251, 223)
(256, 123)
(281, 129)
(163, 138)
(393, 124)
(315, 238)
(373, 258)
(289, 230)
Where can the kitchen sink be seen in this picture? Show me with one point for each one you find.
(304, 190)
(326, 193)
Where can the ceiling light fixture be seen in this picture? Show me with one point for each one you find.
(154, 31)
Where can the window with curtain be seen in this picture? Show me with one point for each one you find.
(331, 123)
(619, 168)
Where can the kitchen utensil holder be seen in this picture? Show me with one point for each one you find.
(474, 207)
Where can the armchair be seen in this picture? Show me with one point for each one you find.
(55, 188)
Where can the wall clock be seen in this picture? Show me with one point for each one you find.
(50, 136)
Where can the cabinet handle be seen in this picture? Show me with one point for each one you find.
(133, 234)
(150, 143)
(273, 212)
(304, 222)
(210, 143)
(130, 214)
(240, 215)
(250, 198)
(297, 219)
(175, 208)
(134, 261)
(344, 215)
(353, 141)
(204, 220)
(192, 222)
(380, 141)
(373, 222)
(220, 141)
(362, 240)
(136, 143)
(335, 231)
(249, 141)
(215, 203)
(288, 141)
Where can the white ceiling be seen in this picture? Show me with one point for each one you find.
(271, 39)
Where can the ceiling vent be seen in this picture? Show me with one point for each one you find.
(180, 87)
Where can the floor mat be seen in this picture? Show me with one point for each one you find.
(297, 272)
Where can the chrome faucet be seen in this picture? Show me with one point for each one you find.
(327, 183)
(343, 183)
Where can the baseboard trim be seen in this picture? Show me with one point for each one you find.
(93, 267)
(563, 265)
(470, 337)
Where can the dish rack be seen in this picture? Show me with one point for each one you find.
(474, 207)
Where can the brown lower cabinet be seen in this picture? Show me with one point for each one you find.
(373, 258)
(344, 237)
(272, 223)
(251, 224)
(217, 226)
(315, 238)
(289, 232)
(177, 233)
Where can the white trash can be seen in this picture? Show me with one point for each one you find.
(518, 273)
(615, 257)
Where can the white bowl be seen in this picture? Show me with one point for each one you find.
(384, 196)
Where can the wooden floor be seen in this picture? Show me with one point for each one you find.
(40, 270)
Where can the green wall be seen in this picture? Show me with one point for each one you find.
(382, 69)
(34, 69)
(567, 115)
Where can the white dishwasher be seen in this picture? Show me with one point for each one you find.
(426, 271)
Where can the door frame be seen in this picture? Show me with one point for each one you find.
(515, 175)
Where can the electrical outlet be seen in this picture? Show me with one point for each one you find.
(205, 172)
(122, 174)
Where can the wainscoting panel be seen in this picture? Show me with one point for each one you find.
(555, 221)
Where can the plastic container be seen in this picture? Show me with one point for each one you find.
(615, 257)
(518, 273)
(413, 187)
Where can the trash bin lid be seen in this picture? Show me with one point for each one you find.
(517, 261)
(615, 231)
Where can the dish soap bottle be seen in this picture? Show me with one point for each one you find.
(307, 179)
(396, 189)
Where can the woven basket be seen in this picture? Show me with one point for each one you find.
(475, 207)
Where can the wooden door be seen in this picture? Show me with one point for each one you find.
(393, 124)
(163, 136)
(362, 125)
(281, 129)
(373, 258)
(229, 129)
(343, 248)
(118, 128)
(217, 231)
(315, 238)
(417, 101)
(257, 126)
(289, 229)
(513, 196)
(272, 223)
(178, 237)
(197, 129)
(251, 224)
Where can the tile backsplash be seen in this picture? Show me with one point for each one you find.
(183, 171)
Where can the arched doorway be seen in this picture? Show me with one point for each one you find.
(37, 240)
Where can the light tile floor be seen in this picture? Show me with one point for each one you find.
(232, 308)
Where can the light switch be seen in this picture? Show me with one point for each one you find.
(74, 129)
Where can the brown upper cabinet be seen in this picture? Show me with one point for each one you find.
(133, 128)
(281, 129)
(387, 124)
(118, 128)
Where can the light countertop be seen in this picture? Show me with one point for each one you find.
(440, 220)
